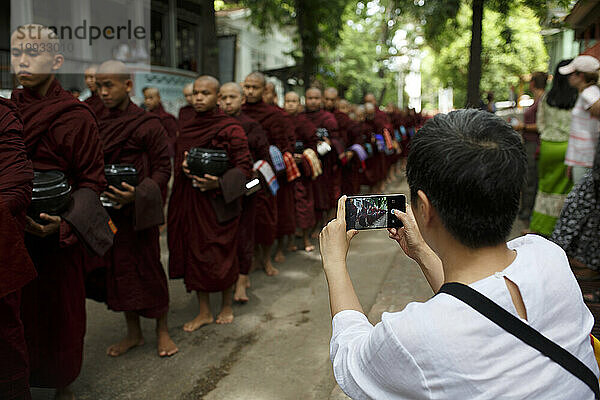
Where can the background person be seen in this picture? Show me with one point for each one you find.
(553, 122)
(454, 239)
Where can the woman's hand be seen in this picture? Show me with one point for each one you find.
(334, 240)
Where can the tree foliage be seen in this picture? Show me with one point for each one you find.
(503, 61)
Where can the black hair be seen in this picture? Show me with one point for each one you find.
(471, 165)
(562, 95)
(539, 79)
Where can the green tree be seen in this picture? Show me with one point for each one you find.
(439, 16)
(317, 25)
(502, 60)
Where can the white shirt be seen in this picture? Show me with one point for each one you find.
(444, 349)
(585, 129)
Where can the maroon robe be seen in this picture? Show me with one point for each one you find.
(306, 132)
(61, 133)
(202, 249)
(351, 170)
(286, 218)
(328, 187)
(136, 280)
(186, 112)
(273, 123)
(374, 165)
(95, 103)
(259, 150)
(171, 127)
(16, 268)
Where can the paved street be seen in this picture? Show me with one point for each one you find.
(277, 347)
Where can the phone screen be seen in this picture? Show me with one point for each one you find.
(374, 211)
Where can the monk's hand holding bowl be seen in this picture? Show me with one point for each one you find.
(184, 166)
(40, 230)
(121, 197)
(334, 240)
(205, 184)
(349, 155)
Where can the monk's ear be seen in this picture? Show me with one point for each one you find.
(57, 62)
(128, 85)
(243, 99)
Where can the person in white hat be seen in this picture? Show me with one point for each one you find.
(585, 126)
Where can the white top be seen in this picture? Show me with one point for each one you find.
(585, 129)
(444, 349)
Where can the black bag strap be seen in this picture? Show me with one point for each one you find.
(523, 331)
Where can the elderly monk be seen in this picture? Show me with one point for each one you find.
(274, 123)
(231, 98)
(61, 134)
(16, 268)
(351, 165)
(306, 137)
(327, 186)
(94, 100)
(154, 105)
(187, 111)
(136, 281)
(204, 211)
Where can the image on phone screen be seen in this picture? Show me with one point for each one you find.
(374, 211)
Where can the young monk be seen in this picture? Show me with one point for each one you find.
(187, 111)
(60, 133)
(306, 133)
(154, 105)
(136, 281)
(231, 99)
(94, 100)
(204, 211)
(16, 268)
(327, 186)
(274, 124)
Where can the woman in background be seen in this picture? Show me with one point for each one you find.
(553, 123)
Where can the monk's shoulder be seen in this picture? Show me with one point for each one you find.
(9, 116)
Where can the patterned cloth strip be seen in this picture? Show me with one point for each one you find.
(292, 170)
(276, 158)
(315, 163)
(267, 172)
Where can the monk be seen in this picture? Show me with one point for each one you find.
(154, 105)
(136, 280)
(306, 138)
(16, 268)
(94, 100)
(204, 211)
(187, 111)
(273, 122)
(328, 186)
(231, 98)
(61, 134)
(383, 127)
(351, 166)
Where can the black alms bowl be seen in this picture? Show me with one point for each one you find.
(207, 161)
(117, 173)
(51, 194)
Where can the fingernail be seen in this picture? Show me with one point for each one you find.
(394, 211)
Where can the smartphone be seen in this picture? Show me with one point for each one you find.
(374, 211)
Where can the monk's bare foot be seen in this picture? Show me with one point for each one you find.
(308, 246)
(166, 345)
(315, 235)
(292, 247)
(270, 270)
(225, 316)
(197, 322)
(279, 257)
(64, 394)
(240, 295)
(124, 345)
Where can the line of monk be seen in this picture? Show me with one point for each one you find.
(286, 168)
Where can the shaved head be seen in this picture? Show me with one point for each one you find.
(114, 68)
(210, 80)
(343, 106)
(90, 77)
(314, 91)
(188, 90)
(232, 86)
(292, 103)
(370, 98)
(259, 76)
(151, 98)
(331, 91)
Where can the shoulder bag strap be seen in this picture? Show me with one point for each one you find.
(523, 331)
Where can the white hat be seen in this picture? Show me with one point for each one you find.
(580, 64)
